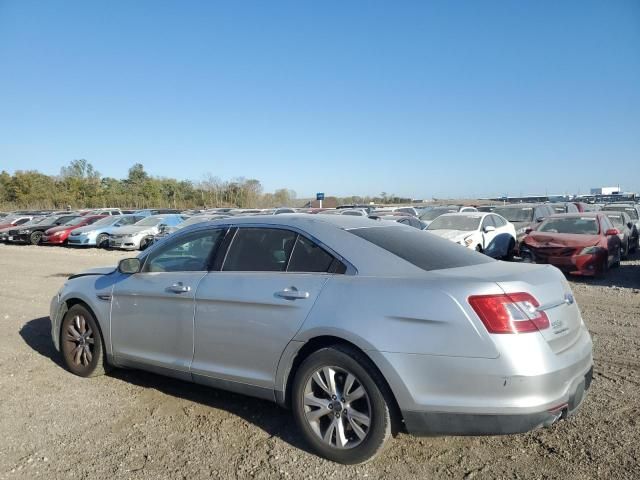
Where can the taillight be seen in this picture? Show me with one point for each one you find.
(512, 313)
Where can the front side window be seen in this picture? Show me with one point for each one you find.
(259, 250)
(190, 253)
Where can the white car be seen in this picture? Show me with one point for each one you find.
(481, 231)
(140, 235)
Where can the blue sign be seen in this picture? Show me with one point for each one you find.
(320, 196)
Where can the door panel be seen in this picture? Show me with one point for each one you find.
(243, 322)
(152, 320)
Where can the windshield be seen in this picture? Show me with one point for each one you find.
(617, 220)
(435, 213)
(628, 210)
(515, 214)
(455, 222)
(149, 222)
(75, 221)
(575, 225)
(107, 220)
(193, 221)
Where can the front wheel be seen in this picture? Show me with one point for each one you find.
(102, 241)
(81, 343)
(35, 238)
(340, 405)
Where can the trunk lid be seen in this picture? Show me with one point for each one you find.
(546, 283)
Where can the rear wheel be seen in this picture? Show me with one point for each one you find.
(510, 249)
(340, 406)
(81, 343)
(616, 262)
(35, 238)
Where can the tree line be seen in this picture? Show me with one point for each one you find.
(80, 185)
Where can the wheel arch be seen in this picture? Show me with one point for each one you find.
(283, 397)
(73, 301)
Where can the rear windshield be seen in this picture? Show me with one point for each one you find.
(628, 210)
(575, 225)
(617, 220)
(515, 214)
(455, 222)
(423, 249)
(435, 213)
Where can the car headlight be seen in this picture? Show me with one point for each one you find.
(590, 250)
(24, 232)
(468, 240)
(522, 230)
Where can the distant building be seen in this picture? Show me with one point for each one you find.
(605, 191)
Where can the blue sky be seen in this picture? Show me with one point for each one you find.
(416, 98)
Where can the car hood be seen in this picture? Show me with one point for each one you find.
(94, 271)
(550, 240)
(133, 229)
(454, 235)
(519, 225)
(61, 228)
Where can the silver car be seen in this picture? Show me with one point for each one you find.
(362, 328)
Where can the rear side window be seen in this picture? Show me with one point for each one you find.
(422, 249)
(309, 257)
(260, 250)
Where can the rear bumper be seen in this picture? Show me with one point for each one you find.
(446, 423)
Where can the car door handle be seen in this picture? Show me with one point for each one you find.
(292, 293)
(179, 288)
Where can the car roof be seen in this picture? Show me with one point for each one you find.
(467, 214)
(577, 215)
(521, 205)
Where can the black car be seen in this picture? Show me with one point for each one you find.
(628, 234)
(32, 233)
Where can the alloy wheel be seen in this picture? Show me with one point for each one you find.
(81, 342)
(337, 407)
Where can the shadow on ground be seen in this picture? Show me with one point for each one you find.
(274, 420)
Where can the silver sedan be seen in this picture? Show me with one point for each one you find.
(361, 328)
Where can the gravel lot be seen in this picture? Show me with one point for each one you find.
(138, 425)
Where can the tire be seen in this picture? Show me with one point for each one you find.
(627, 249)
(616, 262)
(510, 249)
(145, 242)
(81, 343)
(102, 241)
(360, 443)
(35, 238)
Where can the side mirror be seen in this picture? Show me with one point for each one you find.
(162, 227)
(528, 230)
(611, 231)
(630, 225)
(539, 219)
(489, 228)
(129, 265)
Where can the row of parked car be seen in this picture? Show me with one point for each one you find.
(578, 238)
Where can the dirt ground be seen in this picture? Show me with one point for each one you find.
(138, 425)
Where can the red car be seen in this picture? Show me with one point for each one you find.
(576, 243)
(59, 235)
